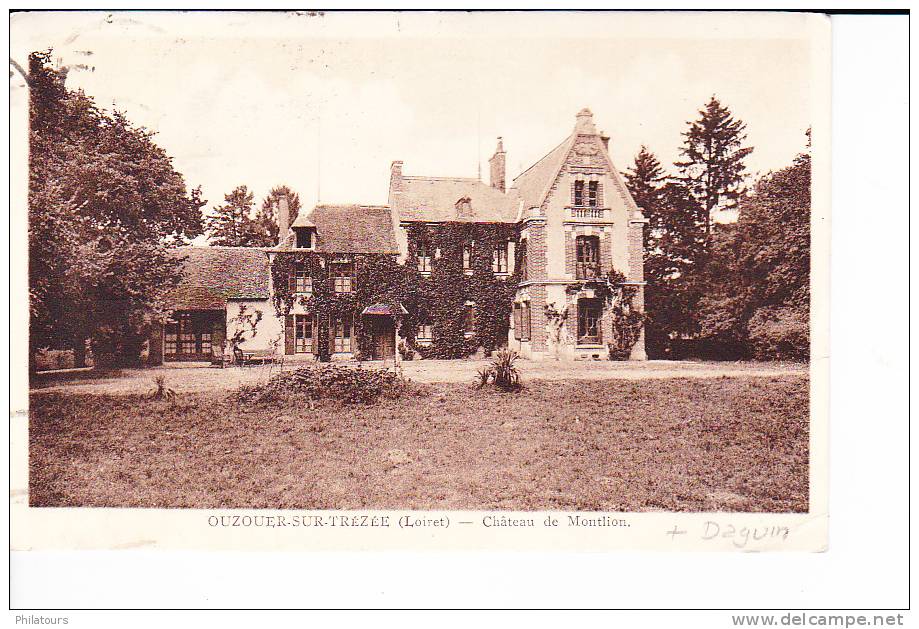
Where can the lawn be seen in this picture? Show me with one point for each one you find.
(729, 444)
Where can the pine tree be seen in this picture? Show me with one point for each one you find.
(713, 168)
(645, 181)
(266, 221)
(231, 224)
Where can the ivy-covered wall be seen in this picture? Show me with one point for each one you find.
(437, 299)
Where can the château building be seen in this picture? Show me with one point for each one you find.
(449, 267)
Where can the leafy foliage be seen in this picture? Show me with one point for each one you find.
(105, 207)
(758, 281)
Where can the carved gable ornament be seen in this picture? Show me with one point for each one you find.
(587, 154)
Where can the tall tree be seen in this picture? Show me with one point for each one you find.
(674, 255)
(713, 167)
(266, 221)
(758, 282)
(231, 224)
(674, 249)
(105, 208)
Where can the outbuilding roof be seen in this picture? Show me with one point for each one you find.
(212, 275)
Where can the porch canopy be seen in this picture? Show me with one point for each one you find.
(383, 309)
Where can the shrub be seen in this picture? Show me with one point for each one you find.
(501, 372)
(162, 392)
(328, 381)
(406, 352)
(779, 333)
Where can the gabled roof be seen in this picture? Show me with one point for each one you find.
(532, 185)
(434, 199)
(353, 229)
(212, 275)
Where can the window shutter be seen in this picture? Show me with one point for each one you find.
(289, 334)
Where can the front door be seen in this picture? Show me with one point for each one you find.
(383, 333)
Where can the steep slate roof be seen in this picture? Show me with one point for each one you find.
(532, 185)
(434, 199)
(353, 229)
(212, 275)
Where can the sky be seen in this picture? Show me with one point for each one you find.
(324, 103)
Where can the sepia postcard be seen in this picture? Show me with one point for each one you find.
(419, 280)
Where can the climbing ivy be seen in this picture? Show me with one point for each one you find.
(618, 299)
(438, 299)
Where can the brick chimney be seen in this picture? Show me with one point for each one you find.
(395, 181)
(497, 164)
(283, 219)
(605, 139)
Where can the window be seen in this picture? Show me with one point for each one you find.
(304, 238)
(424, 257)
(587, 262)
(469, 319)
(589, 313)
(342, 271)
(522, 321)
(188, 335)
(525, 321)
(578, 192)
(342, 332)
(303, 325)
(499, 258)
(468, 249)
(425, 334)
(593, 193)
(300, 280)
(522, 270)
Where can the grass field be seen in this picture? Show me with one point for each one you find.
(678, 444)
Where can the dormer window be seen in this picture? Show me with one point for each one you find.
(463, 207)
(305, 237)
(578, 193)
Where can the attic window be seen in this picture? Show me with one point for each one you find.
(304, 237)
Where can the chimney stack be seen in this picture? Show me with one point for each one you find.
(585, 123)
(605, 139)
(497, 164)
(283, 220)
